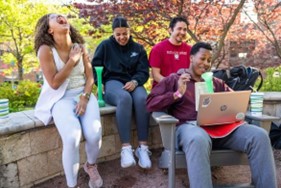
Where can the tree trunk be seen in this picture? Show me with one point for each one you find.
(20, 69)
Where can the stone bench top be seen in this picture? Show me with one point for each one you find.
(263, 117)
(21, 121)
(272, 96)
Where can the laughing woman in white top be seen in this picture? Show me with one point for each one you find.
(66, 94)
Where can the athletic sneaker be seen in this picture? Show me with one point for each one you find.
(127, 157)
(95, 178)
(143, 154)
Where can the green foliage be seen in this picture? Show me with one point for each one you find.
(24, 95)
(272, 81)
(148, 85)
(17, 23)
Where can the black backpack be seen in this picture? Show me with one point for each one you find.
(275, 136)
(240, 77)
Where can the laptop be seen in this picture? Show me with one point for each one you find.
(222, 107)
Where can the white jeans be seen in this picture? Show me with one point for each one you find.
(70, 128)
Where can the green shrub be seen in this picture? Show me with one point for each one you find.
(24, 95)
(272, 80)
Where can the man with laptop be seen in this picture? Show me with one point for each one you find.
(176, 94)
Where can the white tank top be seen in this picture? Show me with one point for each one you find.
(77, 75)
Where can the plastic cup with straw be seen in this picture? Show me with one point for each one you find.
(208, 78)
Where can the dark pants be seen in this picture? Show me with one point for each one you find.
(126, 102)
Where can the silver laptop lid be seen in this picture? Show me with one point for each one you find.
(222, 107)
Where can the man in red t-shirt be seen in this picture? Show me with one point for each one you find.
(171, 54)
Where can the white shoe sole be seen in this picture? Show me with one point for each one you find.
(128, 165)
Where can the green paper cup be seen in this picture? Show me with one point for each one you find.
(256, 103)
(4, 109)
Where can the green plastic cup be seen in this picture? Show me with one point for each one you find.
(99, 79)
(208, 78)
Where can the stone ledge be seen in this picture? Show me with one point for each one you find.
(272, 96)
(25, 120)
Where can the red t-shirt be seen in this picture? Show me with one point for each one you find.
(169, 58)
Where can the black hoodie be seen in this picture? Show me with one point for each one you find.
(122, 63)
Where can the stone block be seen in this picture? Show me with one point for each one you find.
(108, 158)
(44, 139)
(9, 175)
(109, 126)
(118, 143)
(32, 168)
(134, 138)
(54, 159)
(14, 147)
(155, 136)
(273, 108)
(83, 156)
(133, 124)
(108, 146)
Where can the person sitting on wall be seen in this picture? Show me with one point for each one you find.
(66, 94)
(125, 71)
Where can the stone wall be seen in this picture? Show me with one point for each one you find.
(31, 152)
(272, 105)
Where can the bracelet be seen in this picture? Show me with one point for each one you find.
(135, 83)
(178, 94)
(87, 95)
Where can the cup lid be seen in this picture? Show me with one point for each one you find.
(257, 93)
(4, 100)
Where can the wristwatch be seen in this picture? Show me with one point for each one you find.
(178, 94)
(135, 83)
(87, 95)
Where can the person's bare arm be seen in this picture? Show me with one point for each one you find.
(85, 97)
(88, 72)
(156, 75)
(56, 78)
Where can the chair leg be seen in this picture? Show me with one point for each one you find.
(172, 160)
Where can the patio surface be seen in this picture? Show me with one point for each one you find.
(134, 177)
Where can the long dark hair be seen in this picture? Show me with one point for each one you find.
(43, 37)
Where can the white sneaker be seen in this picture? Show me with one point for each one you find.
(143, 154)
(127, 157)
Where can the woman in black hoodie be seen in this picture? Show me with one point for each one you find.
(125, 70)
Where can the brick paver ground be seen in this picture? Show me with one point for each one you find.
(116, 177)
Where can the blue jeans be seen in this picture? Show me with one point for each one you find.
(252, 140)
(125, 103)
